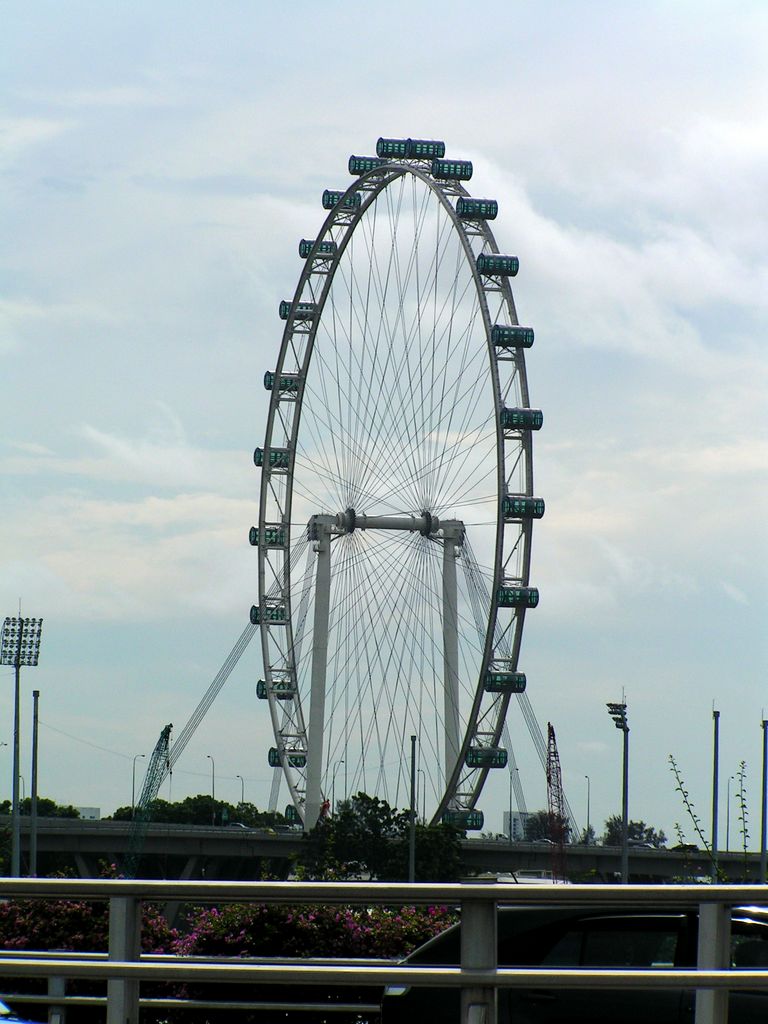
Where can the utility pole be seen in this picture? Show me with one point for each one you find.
(715, 783)
(764, 817)
(412, 823)
(33, 809)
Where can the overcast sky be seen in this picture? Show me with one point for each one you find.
(159, 163)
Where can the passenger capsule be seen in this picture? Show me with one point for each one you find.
(325, 248)
(522, 419)
(468, 208)
(296, 759)
(273, 613)
(486, 757)
(467, 821)
(425, 149)
(274, 537)
(291, 814)
(278, 458)
(496, 264)
(303, 310)
(511, 336)
(517, 597)
(361, 164)
(452, 170)
(332, 197)
(288, 382)
(521, 506)
(281, 690)
(392, 147)
(504, 682)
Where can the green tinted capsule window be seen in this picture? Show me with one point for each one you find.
(332, 197)
(261, 689)
(511, 336)
(495, 263)
(425, 149)
(517, 597)
(361, 164)
(521, 506)
(288, 382)
(466, 820)
(303, 311)
(291, 814)
(486, 757)
(392, 147)
(273, 613)
(278, 458)
(325, 248)
(468, 208)
(274, 536)
(296, 760)
(522, 419)
(505, 682)
(452, 170)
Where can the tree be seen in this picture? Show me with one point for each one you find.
(541, 826)
(45, 808)
(637, 832)
(367, 838)
(198, 810)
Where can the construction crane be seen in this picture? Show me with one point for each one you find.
(164, 757)
(558, 821)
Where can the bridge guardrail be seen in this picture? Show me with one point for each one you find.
(478, 975)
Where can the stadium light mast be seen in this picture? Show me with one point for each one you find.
(20, 646)
(618, 713)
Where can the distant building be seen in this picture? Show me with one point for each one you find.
(519, 818)
(90, 813)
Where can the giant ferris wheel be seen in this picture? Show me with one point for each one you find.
(397, 501)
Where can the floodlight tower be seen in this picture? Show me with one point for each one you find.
(618, 713)
(20, 646)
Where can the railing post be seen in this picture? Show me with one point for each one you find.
(57, 988)
(124, 944)
(714, 954)
(479, 951)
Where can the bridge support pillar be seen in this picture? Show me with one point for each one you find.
(125, 945)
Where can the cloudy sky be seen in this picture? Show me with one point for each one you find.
(159, 163)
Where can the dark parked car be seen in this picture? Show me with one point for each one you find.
(568, 938)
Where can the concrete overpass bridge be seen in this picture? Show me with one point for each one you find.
(236, 853)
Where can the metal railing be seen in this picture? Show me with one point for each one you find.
(478, 976)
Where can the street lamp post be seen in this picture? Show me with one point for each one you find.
(333, 784)
(589, 786)
(422, 785)
(133, 784)
(242, 789)
(20, 646)
(213, 789)
(618, 713)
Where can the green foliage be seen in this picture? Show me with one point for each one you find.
(541, 826)
(45, 808)
(637, 832)
(199, 810)
(367, 838)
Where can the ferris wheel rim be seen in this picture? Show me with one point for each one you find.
(371, 185)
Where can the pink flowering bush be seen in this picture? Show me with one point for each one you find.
(271, 930)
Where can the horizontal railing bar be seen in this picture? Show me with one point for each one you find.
(297, 974)
(195, 1004)
(366, 893)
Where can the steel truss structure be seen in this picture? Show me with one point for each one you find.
(397, 460)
